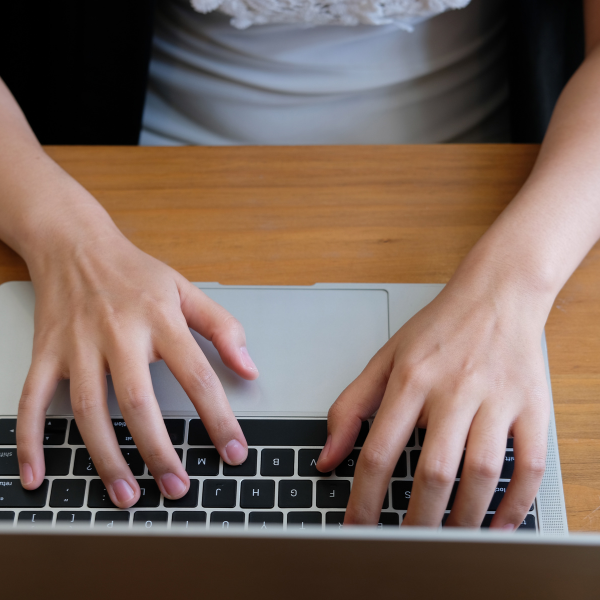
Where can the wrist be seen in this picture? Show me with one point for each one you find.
(502, 276)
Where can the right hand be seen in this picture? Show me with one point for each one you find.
(104, 306)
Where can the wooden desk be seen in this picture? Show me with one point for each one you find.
(348, 214)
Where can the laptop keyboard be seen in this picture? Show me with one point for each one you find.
(278, 486)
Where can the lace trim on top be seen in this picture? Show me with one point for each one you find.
(322, 12)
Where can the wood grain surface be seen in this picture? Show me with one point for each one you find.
(301, 215)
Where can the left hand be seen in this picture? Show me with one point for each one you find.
(469, 367)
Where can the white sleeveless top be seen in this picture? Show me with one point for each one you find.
(259, 72)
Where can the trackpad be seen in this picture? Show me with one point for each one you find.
(308, 345)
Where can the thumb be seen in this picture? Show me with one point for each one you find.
(356, 403)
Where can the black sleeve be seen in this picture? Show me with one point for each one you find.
(546, 45)
(78, 69)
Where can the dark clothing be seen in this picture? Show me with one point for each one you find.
(79, 69)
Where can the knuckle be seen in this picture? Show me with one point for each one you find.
(534, 465)
(228, 327)
(413, 375)
(485, 467)
(136, 399)
(375, 457)
(436, 473)
(84, 401)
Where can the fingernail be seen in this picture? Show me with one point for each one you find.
(508, 527)
(26, 474)
(235, 453)
(173, 486)
(325, 450)
(246, 360)
(122, 490)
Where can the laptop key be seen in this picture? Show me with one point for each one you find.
(134, 460)
(304, 520)
(348, 465)
(422, 433)
(111, 519)
(277, 462)
(362, 434)
(527, 523)
(149, 494)
(98, 496)
(188, 518)
(246, 469)
(7, 516)
(411, 440)
(55, 431)
(499, 494)
(197, 434)
(190, 500)
(265, 520)
(387, 519)
(225, 520)
(176, 430)
(333, 493)
(414, 459)
(259, 493)
(9, 464)
(202, 461)
(508, 466)
(122, 432)
(219, 493)
(75, 438)
(13, 495)
(335, 519)
(79, 517)
(57, 460)
(150, 518)
(83, 463)
(400, 470)
(29, 518)
(295, 494)
(401, 494)
(307, 464)
(8, 429)
(68, 493)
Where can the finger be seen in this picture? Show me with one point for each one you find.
(88, 400)
(387, 439)
(133, 388)
(530, 433)
(447, 430)
(484, 457)
(214, 323)
(190, 367)
(355, 404)
(38, 390)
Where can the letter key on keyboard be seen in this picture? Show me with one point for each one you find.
(295, 493)
(219, 493)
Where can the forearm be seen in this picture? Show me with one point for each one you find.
(554, 220)
(36, 195)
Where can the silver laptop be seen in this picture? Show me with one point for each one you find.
(309, 344)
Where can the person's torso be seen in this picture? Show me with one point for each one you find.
(211, 83)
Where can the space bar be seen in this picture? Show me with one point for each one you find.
(284, 432)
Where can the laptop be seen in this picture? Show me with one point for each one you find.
(276, 499)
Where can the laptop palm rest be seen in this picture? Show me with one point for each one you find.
(308, 345)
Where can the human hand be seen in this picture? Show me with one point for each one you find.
(468, 367)
(104, 306)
